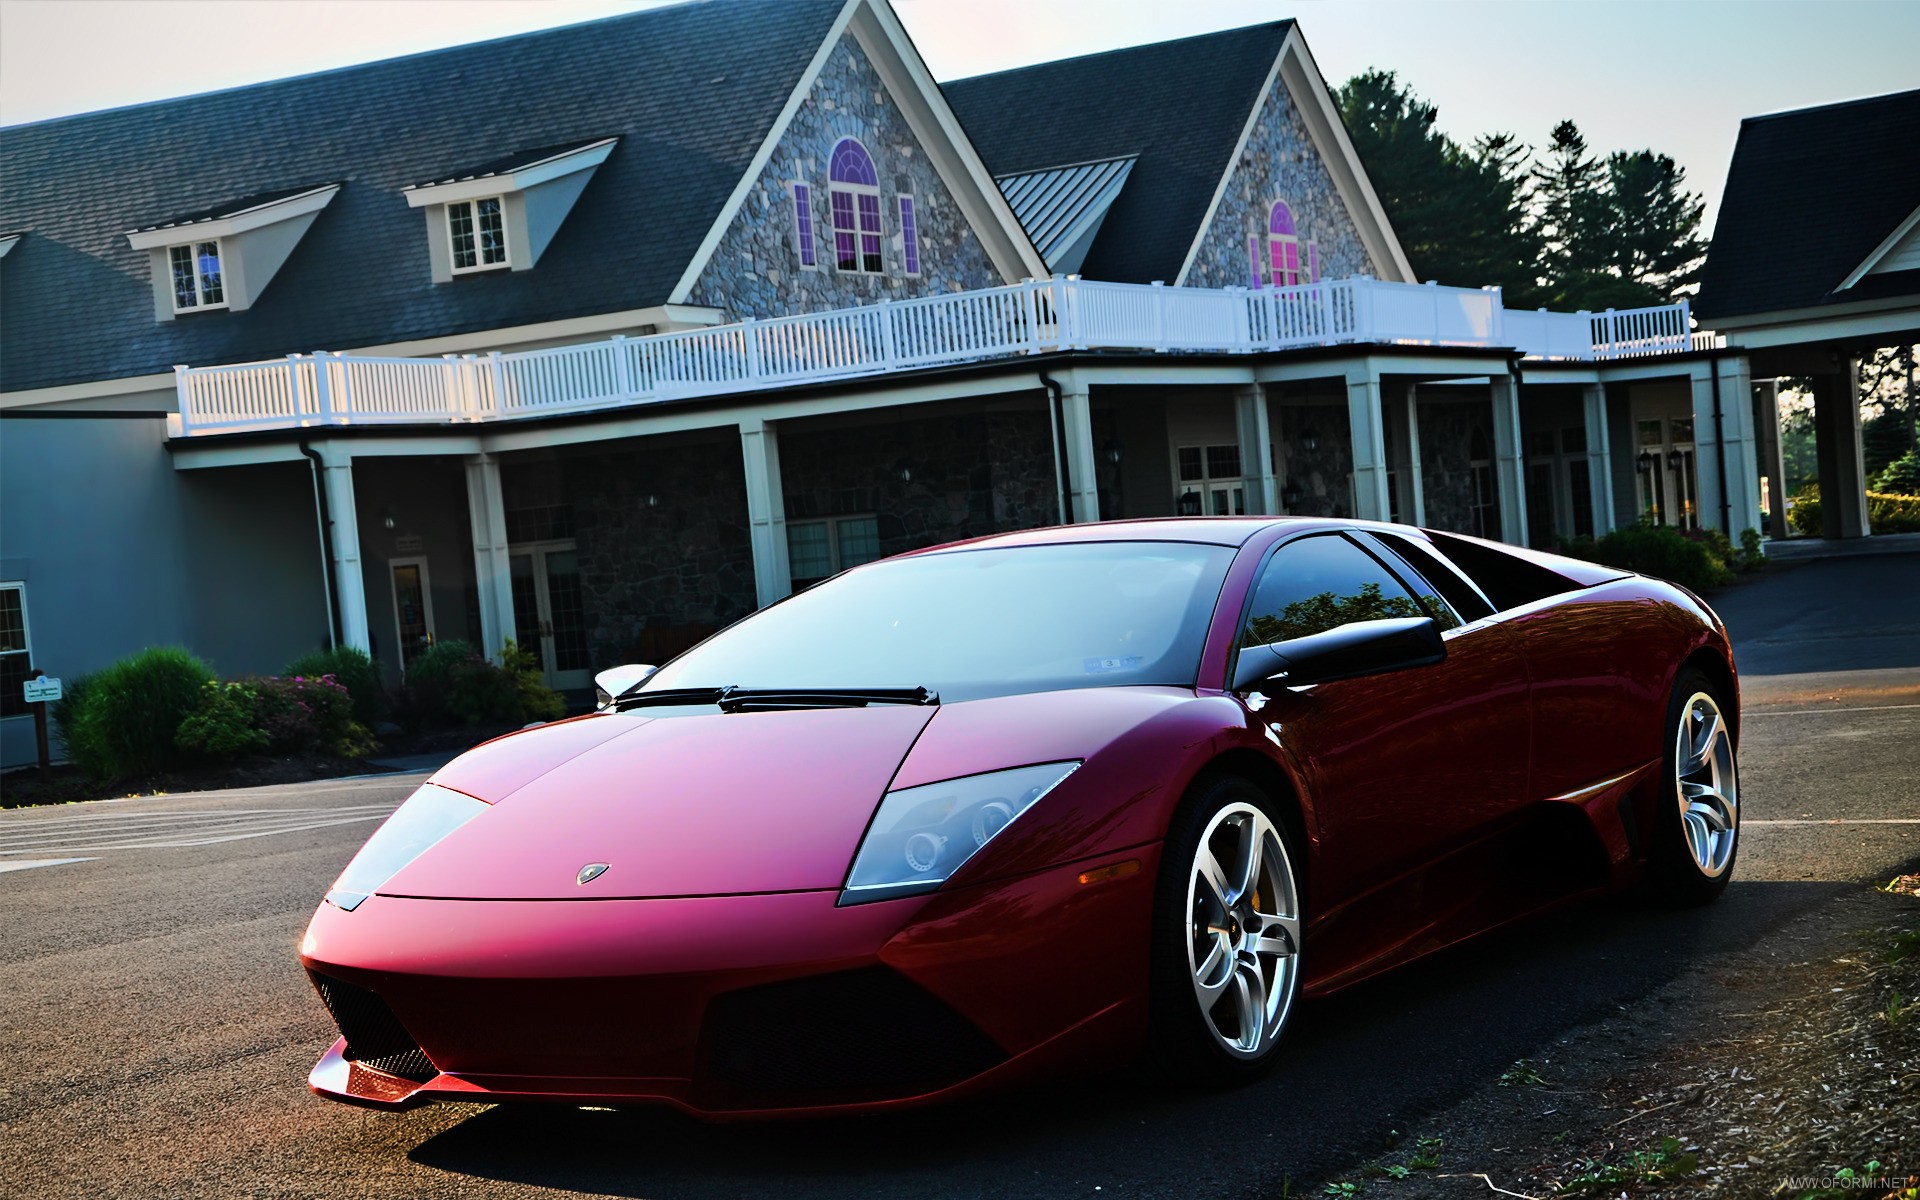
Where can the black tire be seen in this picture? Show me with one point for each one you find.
(1184, 1042)
(1684, 873)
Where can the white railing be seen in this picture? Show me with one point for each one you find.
(1038, 316)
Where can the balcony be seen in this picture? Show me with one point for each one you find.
(1035, 317)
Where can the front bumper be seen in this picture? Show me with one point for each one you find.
(733, 1007)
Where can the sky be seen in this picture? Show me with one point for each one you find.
(1676, 76)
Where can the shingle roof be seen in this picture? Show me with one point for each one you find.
(1809, 196)
(691, 91)
(1179, 106)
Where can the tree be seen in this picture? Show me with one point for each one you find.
(1652, 225)
(1570, 218)
(1457, 211)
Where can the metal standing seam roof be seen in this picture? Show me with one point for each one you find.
(1058, 205)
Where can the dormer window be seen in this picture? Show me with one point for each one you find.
(196, 276)
(502, 215)
(478, 233)
(224, 257)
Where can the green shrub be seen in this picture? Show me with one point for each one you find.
(452, 683)
(353, 670)
(1886, 512)
(78, 740)
(1902, 476)
(128, 716)
(1699, 562)
(1804, 512)
(223, 724)
(301, 714)
(1752, 556)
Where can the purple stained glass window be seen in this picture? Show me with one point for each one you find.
(1281, 219)
(846, 237)
(851, 164)
(1253, 262)
(803, 222)
(869, 231)
(1313, 262)
(910, 235)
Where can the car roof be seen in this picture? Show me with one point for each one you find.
(1217, 531)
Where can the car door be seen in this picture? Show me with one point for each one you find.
(1402, 767)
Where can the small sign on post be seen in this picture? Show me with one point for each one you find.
(41, 691)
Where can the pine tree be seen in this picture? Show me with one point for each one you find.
(1653, 224)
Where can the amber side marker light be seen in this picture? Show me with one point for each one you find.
(1116, 871)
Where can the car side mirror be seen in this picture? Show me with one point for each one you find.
(614, 682)
(1343, 652)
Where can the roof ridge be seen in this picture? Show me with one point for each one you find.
(1879, 98)
(1283, 23)
(369, 64)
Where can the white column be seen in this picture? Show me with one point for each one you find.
(1365, 422)
(1843, 468)
(349, 583)
(766, 511)
(1740, 443)
(1256, 449)
(1766, 419)
(1406, 458)
(1076, 414)
(1593, 401)
(492, 566)
(1509, 465)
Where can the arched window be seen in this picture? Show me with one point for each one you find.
(1283, 246)
(854, 188)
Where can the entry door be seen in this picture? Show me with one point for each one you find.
(548, 617)
(412, 608)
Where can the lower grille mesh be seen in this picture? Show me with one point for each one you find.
(859, 1033)
(375, 1037)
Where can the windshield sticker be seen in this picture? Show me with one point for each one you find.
(1100, 666)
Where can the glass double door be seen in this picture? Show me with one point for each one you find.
(548, 617)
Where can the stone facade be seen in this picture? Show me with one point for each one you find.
(1324, 474)
(971, 474)
(1279, 162)
(756, 272)
(656, 578)
(1448, 431)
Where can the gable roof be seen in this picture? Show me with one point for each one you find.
(1810, 196)
(690, 90)
(1182, 136)
(1062, 207)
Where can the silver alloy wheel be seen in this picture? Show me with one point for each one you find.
(1243, 930)
(1705, 785)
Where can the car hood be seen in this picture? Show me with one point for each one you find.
(702, 805)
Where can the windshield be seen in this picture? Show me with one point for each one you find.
(974, 623)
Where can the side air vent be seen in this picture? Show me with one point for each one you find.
(864, 1033)
(375, 1037)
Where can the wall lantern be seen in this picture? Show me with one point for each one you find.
(1310, 439)
(1645, 462)
(1189, 503)
(386, 518)
(1113, 451)
(1676, 459)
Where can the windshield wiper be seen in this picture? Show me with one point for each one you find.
(734, 698)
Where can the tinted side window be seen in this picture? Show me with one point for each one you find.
(1507, 579)
(1444, 579)
(1317, 583)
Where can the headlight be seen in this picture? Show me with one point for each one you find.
(427, 816)
(922, 835)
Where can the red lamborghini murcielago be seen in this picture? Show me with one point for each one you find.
(1032, 802)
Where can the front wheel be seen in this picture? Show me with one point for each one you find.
(1226, 953)
(1697, 821)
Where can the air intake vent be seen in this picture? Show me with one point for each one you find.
(864, 1033)
(375, 1037)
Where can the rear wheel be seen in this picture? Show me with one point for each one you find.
(1697, 821)
(1226, 953)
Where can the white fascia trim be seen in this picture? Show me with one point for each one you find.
(7, 242)
(728, 211)
(664, 317)
(1873, 260)
(905, 75)
(258, 216)
(420, 195)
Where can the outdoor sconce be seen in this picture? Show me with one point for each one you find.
(1113, 450)
(386, 517)
(1189, 503)
(653, 500)
(1645, 462)
(1291, 495)
(1310, 439)
(1676, 459)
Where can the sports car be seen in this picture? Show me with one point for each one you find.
(1030, 803)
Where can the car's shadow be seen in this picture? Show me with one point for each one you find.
(1371, 1059)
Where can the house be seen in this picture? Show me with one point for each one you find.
(1823, 181)
(600, 337)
